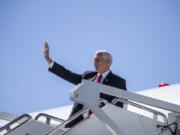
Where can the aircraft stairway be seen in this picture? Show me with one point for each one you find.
(105, 120)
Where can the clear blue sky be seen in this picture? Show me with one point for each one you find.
(142, 35)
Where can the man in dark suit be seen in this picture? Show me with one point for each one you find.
(102, 74)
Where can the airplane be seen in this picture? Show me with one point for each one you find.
(149, 112)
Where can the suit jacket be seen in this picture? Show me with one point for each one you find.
(111, 80)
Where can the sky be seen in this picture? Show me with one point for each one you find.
(142, 35)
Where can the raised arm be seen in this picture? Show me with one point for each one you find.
(60, 70)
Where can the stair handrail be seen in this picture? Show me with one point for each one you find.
(48, 118)
(8, 128)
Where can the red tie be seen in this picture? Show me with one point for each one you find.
(99, 78)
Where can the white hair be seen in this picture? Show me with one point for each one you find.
(106, 55)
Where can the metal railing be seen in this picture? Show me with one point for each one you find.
(154, 112)
(48, 118)
(19, 121)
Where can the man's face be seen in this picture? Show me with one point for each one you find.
(100, 64)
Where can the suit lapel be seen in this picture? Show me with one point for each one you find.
(107, 78)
